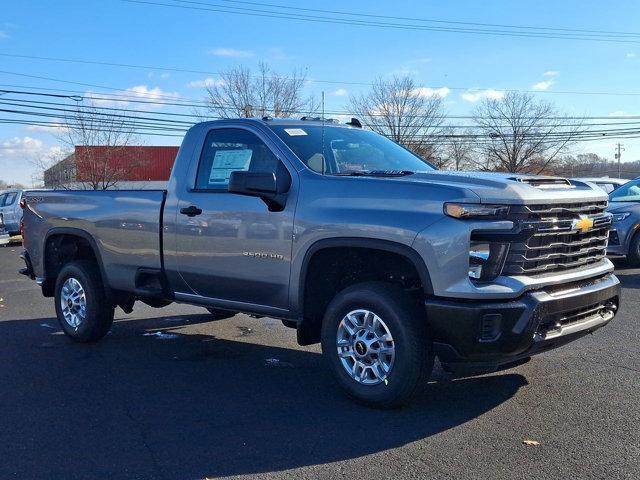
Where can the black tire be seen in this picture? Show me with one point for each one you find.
(98, 312)
(633, 257)
(406, 322)
(219, 314)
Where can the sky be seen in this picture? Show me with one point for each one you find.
(338, 58)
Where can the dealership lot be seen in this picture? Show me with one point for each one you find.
(169, 395)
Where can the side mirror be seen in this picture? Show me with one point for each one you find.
(271, 187)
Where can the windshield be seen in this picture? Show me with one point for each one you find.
(340, 150)
(629, 192)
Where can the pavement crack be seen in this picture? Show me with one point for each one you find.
(613, 365)
(144, 437)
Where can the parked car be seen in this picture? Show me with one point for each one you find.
(4, 235)
(624, 237)
(605, 183)
(10, 211)
(347, 237)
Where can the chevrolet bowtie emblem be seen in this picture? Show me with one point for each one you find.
(582, 224)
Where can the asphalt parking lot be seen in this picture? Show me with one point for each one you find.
(169, 395)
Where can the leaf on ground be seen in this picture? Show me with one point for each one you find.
(531, 443)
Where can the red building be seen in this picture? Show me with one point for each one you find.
(112, 167)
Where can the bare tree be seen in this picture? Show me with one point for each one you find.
(402, 111)
(459, 150)
(521, 134)
(586, 165)
(108, 161)
(4, 185)
(241, 93)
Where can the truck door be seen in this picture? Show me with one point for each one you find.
(231, 247)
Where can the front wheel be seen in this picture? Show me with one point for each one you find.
(633, 257)
(81, 305)
(375, 340)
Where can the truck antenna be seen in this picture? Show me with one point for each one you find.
(322, 151)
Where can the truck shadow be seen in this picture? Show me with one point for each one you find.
(629, 275)
(178, 406)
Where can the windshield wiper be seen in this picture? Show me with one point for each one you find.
(375, 173)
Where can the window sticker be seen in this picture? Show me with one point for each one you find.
(227, 161)
(295, 132)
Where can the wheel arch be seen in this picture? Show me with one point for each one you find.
(58, 236)
(308, 328)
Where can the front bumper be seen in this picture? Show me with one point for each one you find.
(490, 335)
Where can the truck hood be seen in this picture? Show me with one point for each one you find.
(510, 188)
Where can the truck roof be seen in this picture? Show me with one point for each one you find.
(300, 122)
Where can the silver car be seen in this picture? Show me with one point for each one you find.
(10, 211)
(605, 183)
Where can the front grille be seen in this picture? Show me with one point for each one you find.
(548, 242)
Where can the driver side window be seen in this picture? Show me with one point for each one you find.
(228, 150)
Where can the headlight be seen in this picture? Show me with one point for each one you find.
(618, 217)
(486, 260)
(473, 210)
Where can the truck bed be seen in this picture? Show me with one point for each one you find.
(125, 225)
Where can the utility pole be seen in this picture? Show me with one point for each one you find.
(617, 157)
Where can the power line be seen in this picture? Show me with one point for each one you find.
(110, 119)
(314, 80)
(149, 122)
(431, 20)
(36, 104)
(201, 6)
(78, 95)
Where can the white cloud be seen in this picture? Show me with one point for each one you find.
(341, 92)
(630, 55)
(551, 73)
(542, 86)
(421, 60)
(138, 92)
(54, 128)
(431, 92)
(164, 76)
(20, 144)
(18, 157)
(276, 54)
(403, 71)
(230, 52)
(155, 93)
(206, 82)
(476, 95)
(622, 113)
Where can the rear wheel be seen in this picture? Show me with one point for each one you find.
(633, 257)
(81, 305)
(375, 341)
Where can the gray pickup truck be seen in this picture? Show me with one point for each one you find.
(345, 236)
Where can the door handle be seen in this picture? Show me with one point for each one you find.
(191, 211)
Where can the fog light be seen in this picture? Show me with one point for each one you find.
(486, 260)
(478, 256)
